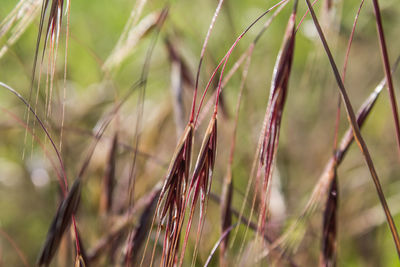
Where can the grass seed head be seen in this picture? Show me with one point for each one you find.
(279, 87)
(61, 221)
(171, 206)
(328, 253)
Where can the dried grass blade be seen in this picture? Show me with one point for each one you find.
(357, 135)
(386, 65)
(61, 221)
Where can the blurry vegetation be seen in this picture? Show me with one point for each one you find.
(30, 193)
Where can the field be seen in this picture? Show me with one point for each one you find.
(207, 133)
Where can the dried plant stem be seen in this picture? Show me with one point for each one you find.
(321, 187)
(356, 131)
(65, 74)
(386, 64)
(203, 49)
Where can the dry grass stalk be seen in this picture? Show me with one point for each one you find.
(60, 223)
(279, 87)
(329, 242)
(321, 187)
(356, 131)
(108, 181)
(386, 65)
(125, 46)
(130, 25)
(52, 36)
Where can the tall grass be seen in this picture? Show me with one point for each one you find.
(104, 89)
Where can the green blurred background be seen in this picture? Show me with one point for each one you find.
(29, 191)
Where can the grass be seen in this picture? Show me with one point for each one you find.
(153, 112)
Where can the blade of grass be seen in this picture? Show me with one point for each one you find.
(321, 187)
(386, 65)
(220, 240)
(356, 131)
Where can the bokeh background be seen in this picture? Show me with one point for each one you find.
(29, 191)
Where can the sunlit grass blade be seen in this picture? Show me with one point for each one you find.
(136, 33)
